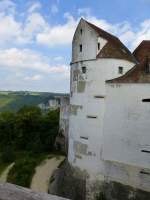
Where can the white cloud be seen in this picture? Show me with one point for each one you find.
(59, 34)
(143, 33)
(84, 11)
(9, 29)
(26, 59)
(36, 77)
(35, 23)
(63, 34)
(36, 29)
(34, 7)
(7, 6)
(58, 58)
(54, 9)
(15, 32)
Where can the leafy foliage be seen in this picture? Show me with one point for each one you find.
(23, 170)
(8, 155)
(28, 130)
(26, 136)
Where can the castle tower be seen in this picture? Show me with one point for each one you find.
(97, 56)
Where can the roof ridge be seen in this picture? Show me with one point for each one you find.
(107, 35)
(100, 29)
(142, 43)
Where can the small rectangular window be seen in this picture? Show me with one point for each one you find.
(80, 47)
(98, 46)
(145, 100)
(83, 69)
(120, 70)
(85, 138)
(145, 151)
(148, 68)
(91, 116)
(144, 172)
(99, 97)
(81, 31)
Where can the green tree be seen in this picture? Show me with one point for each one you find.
(7, 133)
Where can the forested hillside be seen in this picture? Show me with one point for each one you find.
(27, 137)
(15, 100)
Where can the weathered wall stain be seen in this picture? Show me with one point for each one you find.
(74, 109)
(80, 148)
(81, 86)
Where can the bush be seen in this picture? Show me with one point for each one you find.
(22, 172)
(29, 129)
(24, 169)
(8, 155)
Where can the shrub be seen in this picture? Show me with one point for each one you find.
(24, 169)
(22, 172)
(8, 155)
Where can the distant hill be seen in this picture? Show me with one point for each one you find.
(14, 100)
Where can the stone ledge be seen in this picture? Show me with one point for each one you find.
(12, 192)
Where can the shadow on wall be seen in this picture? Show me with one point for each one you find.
(118, 191)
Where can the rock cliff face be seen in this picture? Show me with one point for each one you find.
(13, 192)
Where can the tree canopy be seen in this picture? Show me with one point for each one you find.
(29, 129)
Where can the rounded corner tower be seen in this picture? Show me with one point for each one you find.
(97, 56)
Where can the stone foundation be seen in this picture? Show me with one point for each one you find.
(118, 191)
(70, 182)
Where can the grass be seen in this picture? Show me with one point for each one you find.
(4, 100)
(3, 167)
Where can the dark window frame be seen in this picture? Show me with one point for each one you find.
(80, 47)
(83, 137)
(120, 70)
(144, 172)
(91, 116)
(83, 69)
(145, 151)
(98, 46)
(146, 100)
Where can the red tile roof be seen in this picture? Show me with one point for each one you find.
(114, 48)
(140, 73)
(142, 51)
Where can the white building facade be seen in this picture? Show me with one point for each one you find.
(96, 57)
(109, 129)
(126, 138)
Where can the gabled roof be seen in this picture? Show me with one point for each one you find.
(114, 47)
(142, 51)
(138, 74)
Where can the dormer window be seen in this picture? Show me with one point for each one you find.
(120, 70)
(80, 46)
(98, 46)
(81, 31)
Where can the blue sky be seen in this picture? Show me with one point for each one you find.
(35, 37)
